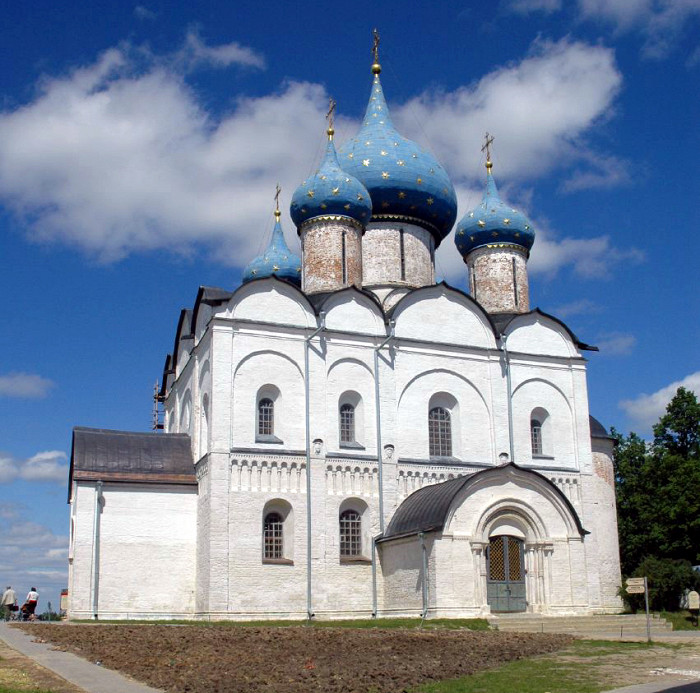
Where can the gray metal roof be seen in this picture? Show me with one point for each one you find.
(597, 429)
(100, 454)
(425, 510)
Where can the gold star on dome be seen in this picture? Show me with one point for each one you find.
(383, 153)
(506, 222)
(298, 270)
(309, 193)
(494, 234)
(360, 197)
(432, 170)
(471, 214)
(481, 223)
(253, 272)
(381, 122)
(396, 144)
(377, 91)
(365, 162)
(285, 258)
(385, 174)
(303, 210)
(379, 108)
(419, 181)
(471, 238)
(266, 260)
(385, 204)
(415, 156)
(323, 178)
(275, 268)
(346, 206)
(347, 180)
(527, 228)
(401, 162)
(374, 115)
(430, 200)
(374, 98)
(460, 233)
(444, 191)
(323, 205)
(367, 143)
(402, 194)
(351, 155)
(335, 191)
(517, 234)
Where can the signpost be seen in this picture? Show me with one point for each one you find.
(639, 585)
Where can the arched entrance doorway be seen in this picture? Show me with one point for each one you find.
(505, 581)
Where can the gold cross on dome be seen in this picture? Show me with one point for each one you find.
(487, 147)
(375, 46)
(278, 190)
(331, 110)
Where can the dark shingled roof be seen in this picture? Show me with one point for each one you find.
(100, 454)
(425, 510)
(597, 429)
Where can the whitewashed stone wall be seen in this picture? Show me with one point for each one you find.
(498, 279)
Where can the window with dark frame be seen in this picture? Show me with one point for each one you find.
(266, 417)
(536, 436)
(347, 423)
(350, 534)
(273, 536)
(440, 432)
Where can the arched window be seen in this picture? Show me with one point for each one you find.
(440, 432)
(266, 417)
(350, 534)
(347, 423)
(273, 536)
(536, 436)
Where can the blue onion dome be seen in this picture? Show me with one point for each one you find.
(331, 192)
(404, 180)
(493, 222)
(277, 260)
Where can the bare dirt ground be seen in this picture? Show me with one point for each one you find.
(18, 672)
(201, 659)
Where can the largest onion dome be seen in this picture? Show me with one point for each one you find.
(493, 223)
(277, 260)
(405, 182)
(331, 192)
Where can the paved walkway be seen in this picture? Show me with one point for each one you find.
(86, 675)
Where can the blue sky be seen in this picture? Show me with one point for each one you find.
(140, 146)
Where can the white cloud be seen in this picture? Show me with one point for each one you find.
(24, 385)
(539, 109)
(47, 466)
(529, 6)
(32, 555)
(616, 343)
(645, 410)
(143, 13)
(195, 51)
(660, 22)
(115, 159)
(583, 306)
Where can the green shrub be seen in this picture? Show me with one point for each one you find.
(668, 580)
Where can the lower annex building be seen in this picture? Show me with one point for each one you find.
(345, 437)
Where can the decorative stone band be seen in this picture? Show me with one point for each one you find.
(503, 246)
(333, 217)
(410, 220)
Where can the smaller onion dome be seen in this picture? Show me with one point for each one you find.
(493, 222)
(331, 192)
(277, 260)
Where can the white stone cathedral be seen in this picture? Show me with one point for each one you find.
(343, 437)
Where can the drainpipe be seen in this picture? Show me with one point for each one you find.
(96, 549)
(374, 577)
(322, 326)
(509, 387)
(380, 456)
(424, 576)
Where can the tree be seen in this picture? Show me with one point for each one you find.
(658, 487)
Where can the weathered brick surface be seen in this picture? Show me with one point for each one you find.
(381, 255)
(492, 282)
(322, 243)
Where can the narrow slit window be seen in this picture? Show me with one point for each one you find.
(515, 285)
(266, 417)
(402, 253)
(344, 260)
(440, 432)
(273, 536)
(536, 436)
(347, 423)
(350, 533)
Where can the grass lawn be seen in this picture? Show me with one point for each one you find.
(574, 670)
(681, 620)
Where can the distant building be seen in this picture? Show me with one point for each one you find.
(343, 408)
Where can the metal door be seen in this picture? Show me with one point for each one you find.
(506, 575)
